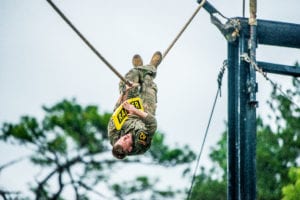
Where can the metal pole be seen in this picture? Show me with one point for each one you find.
(241, 107)
(247, 127)
(233, 130)
(249, 148)
(241, 125)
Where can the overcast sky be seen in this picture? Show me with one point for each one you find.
(42, 61)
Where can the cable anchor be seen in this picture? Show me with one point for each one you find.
(230, 30)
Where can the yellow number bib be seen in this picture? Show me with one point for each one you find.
(120, 115)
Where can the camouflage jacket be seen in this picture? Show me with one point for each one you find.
(142, 130)
(147, 91)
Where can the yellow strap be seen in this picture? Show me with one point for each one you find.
(120, 115)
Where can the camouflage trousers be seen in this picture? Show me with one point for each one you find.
(147, 90)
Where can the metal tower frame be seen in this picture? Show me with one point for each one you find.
(242, 104)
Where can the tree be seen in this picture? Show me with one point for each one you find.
(71, 145)
(211, 184)
(292, 190)
(277, 150)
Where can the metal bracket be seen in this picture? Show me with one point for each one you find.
(230, 29)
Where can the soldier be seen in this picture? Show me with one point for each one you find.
(134, 136)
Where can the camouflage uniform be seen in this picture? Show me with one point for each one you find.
(147, 91)
(142, 130)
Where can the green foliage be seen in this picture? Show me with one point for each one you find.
(166, 156)
(208, 188)
(219, 154)
(140, 184)
(71, 142)
(84, 126)
(129, 187)
(26, 131)
(292, 190)
(278, 149)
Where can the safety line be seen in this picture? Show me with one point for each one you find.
(247, 59)
(220, 76)
(87, 42)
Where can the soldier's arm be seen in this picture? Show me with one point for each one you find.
(150, 123)
(132, 76)
(148, 119)
(124, 94)
(134, 111)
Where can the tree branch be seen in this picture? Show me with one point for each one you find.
(73, 183)
(61, 186)
(58, 169)
(12, 162)
(4, 194)
(91, 189)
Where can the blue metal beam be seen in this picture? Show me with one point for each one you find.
(274, 33)
(268, 32)
(279, 69)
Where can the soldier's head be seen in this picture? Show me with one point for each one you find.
(123, 146)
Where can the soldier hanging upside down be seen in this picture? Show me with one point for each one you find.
(133, 123)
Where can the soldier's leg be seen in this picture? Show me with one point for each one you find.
(156, 59)
(137, 60)
(149, 94)
(133, 76)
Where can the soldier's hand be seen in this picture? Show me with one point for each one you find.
(129, 108)
(132, 85)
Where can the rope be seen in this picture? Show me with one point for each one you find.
(183, 29)
(102, 58)
(243, 8)
(221, 73)
(87, 42)
(220, 76)
(253, 9)
(265, 75)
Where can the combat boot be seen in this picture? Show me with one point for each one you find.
(156, 59)
(137, 60)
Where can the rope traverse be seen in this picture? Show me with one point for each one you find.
(60, 13)
(183, 29)
(87, 42)
(220, 77)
